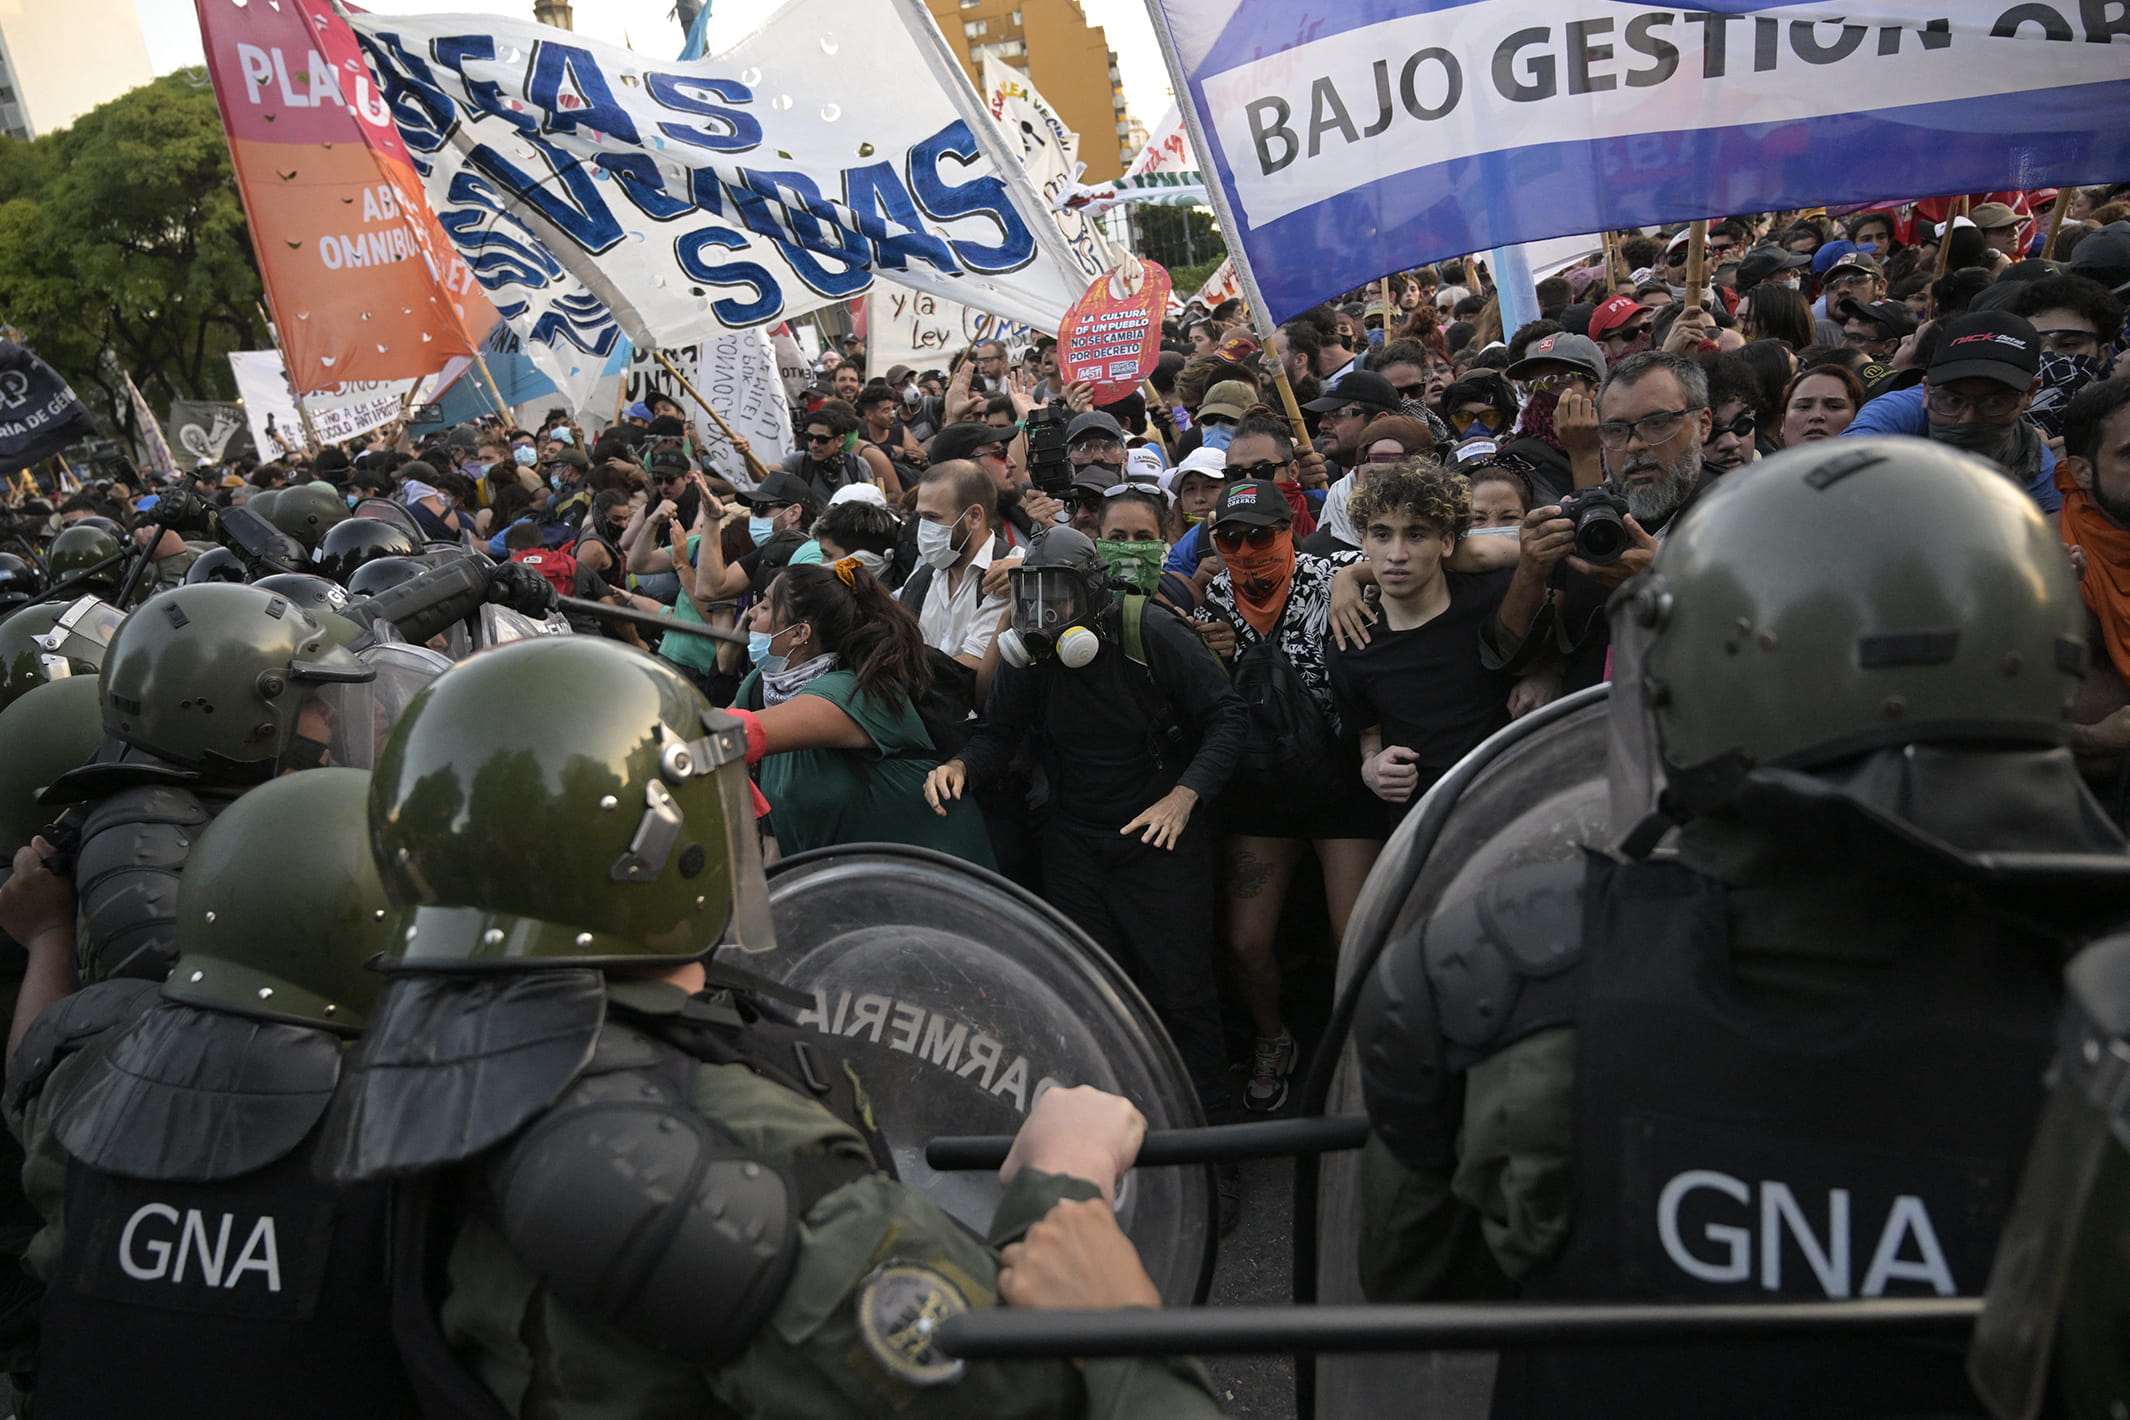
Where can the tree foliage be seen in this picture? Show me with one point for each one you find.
(123, 247)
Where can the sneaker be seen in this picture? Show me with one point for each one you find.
(1270, 1065)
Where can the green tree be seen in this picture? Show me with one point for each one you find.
(123, 247)
(1177, 236)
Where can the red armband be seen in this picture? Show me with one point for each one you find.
(757, 737)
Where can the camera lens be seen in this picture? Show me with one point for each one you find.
(1600, 537)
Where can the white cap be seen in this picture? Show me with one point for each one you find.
(1198, 460)
(1143, 464)
(858, 493)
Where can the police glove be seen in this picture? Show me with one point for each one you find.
(182, 509)
(519, 587)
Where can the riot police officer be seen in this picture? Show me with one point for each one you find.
(1786, 1036)
(644, 1198)
(194, 1265)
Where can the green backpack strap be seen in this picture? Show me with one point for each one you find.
(1134, 620)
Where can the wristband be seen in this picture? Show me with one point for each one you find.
(757, 737)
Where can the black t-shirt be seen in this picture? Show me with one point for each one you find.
(1425, 688)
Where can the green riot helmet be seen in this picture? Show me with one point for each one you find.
(81, 547)
(307, 511)
(261, 501)
(217, 564)
(561, 801)
(52, 728)
(347, 546)
(234, 682)
(1844, 597)
(309, 592)
(20, 580)
(280, 909)
(54, 640)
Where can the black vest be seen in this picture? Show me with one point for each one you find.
(261, 1295)
(1735, 1146)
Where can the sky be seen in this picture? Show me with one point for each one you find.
(173, 33)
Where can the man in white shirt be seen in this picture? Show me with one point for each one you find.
(956, 540)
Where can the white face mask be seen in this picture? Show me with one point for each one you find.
(935, 544)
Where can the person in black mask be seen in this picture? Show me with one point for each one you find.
(1560, 375)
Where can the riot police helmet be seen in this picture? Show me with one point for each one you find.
(346, 546)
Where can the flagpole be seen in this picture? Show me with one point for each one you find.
(1217, 194)
(1696, 263)
(502, 405)
(754, 465)
(310, 431)
(2065, 196)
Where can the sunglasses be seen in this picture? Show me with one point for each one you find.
(1740, 428)
(1235, 539)
(1487, 419)
(820, 438)
(1539, 384)
(1267, 469)
(1630, 332)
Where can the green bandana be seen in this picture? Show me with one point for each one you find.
(1138, 563)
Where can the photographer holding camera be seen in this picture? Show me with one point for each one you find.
(1653, 421)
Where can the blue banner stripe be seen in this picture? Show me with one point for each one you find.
(2044, 138)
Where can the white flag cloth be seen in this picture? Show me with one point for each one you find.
(338, 412)
(601, 193)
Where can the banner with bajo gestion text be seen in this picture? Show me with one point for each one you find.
(688, 197)
(361, 281)
(1375, 135)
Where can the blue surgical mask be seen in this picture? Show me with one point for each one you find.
(758, 650)
(1219, 436)
(563, 433)
(353, 499)
(761, 529)
(525, 454)
(554, 480)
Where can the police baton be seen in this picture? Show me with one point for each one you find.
(1216, 1144)
(1007, 1333)
(607, 612)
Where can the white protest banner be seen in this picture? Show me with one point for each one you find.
(1349, 141)
(793, 369)
(1050, 153)
(338, 412)
(600, 192)
(1165, 174)
(1222, 285)
(916, 329)
(738, 372)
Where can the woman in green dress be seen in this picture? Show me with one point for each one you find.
(836, 688)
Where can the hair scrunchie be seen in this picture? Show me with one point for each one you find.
(848, 569)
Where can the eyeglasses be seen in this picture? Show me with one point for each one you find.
(1539, 384)
(1235, 539)
(2069, 342)
(1488, 419)
(1653, 429)
(1740, 428)
(1860, 338)
(1950, 404)
(767, 510)
(1263, 468)
(988, 451)
(1351, 411)
(1095, 449)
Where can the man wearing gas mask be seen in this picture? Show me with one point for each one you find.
(1136, 726)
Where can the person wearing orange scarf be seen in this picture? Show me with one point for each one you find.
(2094, 475)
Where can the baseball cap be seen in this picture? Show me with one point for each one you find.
(669, 461)
(1764, 262)
(462, 436)
(1561, 347)
(2106, 250)
(858, 493)
(638, 410)
(1212, 463)
(1613, 314)
(1991, 215)
(782, 487)
(1094, 478)
(1855, 259)
(1095, 422)
(1238, 350)
(1987, 345)
(571, 455)
(1830, 252)
(1143, 465)
(1356, 387)
(1254, 501)
(960, 441)
(1228, 399)
(899, 375)
(1893, 317)
(2032, 268)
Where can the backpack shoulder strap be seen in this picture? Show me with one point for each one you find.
(1135, 628)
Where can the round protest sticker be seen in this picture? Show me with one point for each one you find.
(1112, 335)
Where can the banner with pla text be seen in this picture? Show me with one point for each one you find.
(1371, 136)
(602, 193)
(362, 283)
(338, 412)
(739, 372)
(1050, 154)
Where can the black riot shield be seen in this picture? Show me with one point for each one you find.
(960, 997)
(1533, 793)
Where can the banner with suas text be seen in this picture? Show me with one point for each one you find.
(599, 193)
(1354, 140)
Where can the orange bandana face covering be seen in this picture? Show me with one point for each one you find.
(1260, 577)
(2106, 585)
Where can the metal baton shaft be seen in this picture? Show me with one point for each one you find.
(1220, 1143)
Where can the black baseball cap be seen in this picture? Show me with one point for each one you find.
(960, 441)
(1094, 421)
(1254, 501)
(669, 461)
(1892, 317)
(1356, 387)
(1987, 345)
(1764, 262)
(781, 487)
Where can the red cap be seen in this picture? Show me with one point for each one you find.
(1614, 314)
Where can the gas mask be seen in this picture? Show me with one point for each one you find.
(1046, 604)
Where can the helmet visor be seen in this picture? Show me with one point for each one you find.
(344, 721)
(79, 637)
(1045, 599)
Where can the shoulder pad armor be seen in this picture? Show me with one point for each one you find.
(133, 849)
(451, 1065)
(636, 1209)
(1484, 952)
(195, 1095)
(72, 1024)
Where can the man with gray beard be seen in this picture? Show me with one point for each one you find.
(1653, 421)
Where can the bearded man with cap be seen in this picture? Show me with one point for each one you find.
(1780, 1031)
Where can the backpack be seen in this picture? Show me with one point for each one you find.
(559, 567)
(1289, 751)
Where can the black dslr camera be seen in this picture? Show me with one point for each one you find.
(1600, 518)
(1048, 467)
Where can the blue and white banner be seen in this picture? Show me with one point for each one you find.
(601, 194)
(1356, 138)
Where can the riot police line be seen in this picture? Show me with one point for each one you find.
(1524, 863)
